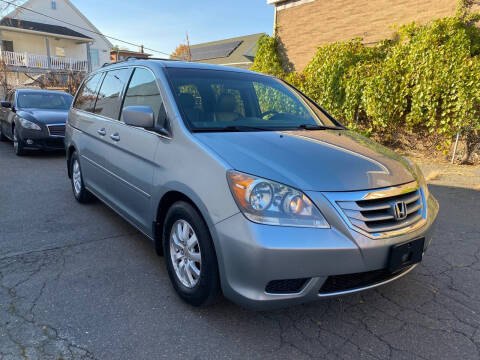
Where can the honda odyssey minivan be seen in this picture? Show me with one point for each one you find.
(244, 184)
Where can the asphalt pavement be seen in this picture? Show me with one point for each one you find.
(78, 282)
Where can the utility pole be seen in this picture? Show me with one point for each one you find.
(188, 53)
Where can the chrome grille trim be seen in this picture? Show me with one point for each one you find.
(371, 212)
(56, 130)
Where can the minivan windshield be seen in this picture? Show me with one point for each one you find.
(47, 101)
(216, 100)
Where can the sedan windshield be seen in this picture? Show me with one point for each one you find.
(47, 101)
(213, 100)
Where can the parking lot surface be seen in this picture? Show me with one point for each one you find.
(78, 282)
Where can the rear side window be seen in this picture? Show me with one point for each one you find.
(143, 91)
(109, 98)
(88, 94)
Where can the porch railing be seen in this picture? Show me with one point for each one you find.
(42, 61)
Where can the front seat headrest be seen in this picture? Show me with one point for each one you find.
(226, 103)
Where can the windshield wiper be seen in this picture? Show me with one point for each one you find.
(319, 127)
(233, 128)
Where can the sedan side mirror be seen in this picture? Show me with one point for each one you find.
(140, 116)
(6, 104)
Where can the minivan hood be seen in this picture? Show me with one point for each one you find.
(321, 160)
(44, 116)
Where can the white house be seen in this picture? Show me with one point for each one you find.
(35, 43)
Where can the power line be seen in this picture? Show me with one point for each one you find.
(81, 27)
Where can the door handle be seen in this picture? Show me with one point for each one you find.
(115, 137)
(102, 132)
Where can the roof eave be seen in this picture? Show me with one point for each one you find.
(43, 33)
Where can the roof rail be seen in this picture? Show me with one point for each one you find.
(130, 58)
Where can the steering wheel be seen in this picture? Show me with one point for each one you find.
(268, 113)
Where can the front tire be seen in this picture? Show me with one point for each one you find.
(81, 194)
(18, 146)
(190, 256)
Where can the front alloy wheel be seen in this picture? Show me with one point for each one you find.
(190, 256)
(185, 253)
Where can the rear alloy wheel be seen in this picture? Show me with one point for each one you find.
(18, 146)
(81, 194)
(190, 256)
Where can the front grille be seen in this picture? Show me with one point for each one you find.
(56, 130)
(354, 281)
(376, 215)
(285, 286)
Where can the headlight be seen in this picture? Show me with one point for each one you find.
(29, 125)
(268, 202)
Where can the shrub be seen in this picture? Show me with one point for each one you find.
(426, 80)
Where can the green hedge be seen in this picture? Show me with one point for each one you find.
(425, 80)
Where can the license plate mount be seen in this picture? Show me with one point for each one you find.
(405, 254)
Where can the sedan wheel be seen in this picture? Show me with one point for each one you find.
(2, 136)
(17, 144)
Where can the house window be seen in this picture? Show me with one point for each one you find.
(94, 57)
(54, 5)
(7, 45)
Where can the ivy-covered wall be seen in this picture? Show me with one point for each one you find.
(426, 80)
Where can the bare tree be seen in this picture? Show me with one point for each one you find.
(4, 85)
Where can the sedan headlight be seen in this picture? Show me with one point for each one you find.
(268, 202)
(29, 125)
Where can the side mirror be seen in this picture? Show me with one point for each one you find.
(6, 104)
(140, 116)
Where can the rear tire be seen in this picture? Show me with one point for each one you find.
(18, 146)
(190, 256)
(81, 194)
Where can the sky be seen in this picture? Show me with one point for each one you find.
(162, 25)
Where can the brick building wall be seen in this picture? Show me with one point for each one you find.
(303, 25)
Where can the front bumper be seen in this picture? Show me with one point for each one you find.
(252, 255)
(40, 139)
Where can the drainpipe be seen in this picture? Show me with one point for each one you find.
(274, 20)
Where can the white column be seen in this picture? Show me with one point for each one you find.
(89, 60)
(47, 43)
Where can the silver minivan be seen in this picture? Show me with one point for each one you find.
(244, 184)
